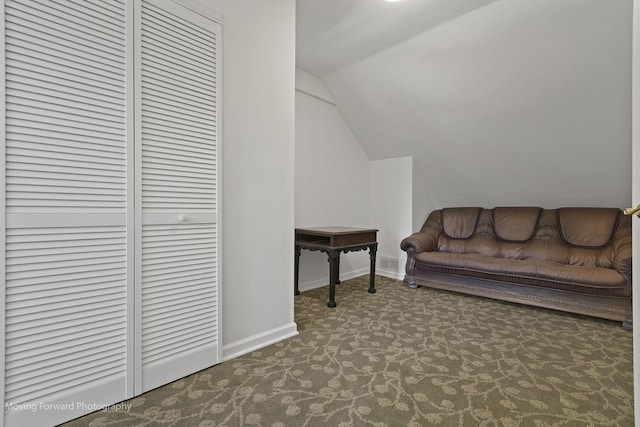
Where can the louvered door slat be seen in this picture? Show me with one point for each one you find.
(172, 110)
(156, 59)
(63, 369)
(39, 325)
(179, 271)
(190, 98)
(159, 45)
(175, 172)
(66, 156)
(31, 100)
(77, 62)
(180, 121)
(185, 150)
(68, 150)
(65, 23)
(35, 91)
(203, 156)
(61, 354)
(35, 45)
(158, 136)
(51, 114)
(109, 10)
(188, 34)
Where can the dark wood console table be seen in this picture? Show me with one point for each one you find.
(333, 241)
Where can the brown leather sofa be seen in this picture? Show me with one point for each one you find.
(571, 259)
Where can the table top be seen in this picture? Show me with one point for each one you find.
(335, 237)
(334, 230)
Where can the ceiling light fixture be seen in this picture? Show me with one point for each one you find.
(391, 1)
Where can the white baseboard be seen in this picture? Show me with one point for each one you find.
(258, 341)
(391, 274)
(307, 286)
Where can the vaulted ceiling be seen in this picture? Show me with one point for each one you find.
(514, 100)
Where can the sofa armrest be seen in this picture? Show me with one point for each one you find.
(622, 255)
(425, 240)
(422, 241)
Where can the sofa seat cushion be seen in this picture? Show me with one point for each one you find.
(543, 273)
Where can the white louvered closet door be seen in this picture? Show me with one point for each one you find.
(178, 193)
(109, 189)
(66, 209)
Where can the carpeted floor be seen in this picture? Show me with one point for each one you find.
(405, 357)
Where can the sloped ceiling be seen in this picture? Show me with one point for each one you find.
(332, 34)
(499, 102)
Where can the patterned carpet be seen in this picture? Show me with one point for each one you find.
(405, 357)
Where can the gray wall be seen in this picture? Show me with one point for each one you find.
(519, 102)
(331, 179)
(258, 117)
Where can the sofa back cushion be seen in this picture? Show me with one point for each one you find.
(515, 224)
(588, 227)
(571, 236)
(459, 223)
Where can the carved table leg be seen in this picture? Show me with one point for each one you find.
(333, 261)
(338, 269)
(372, 271)
(296, 269)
